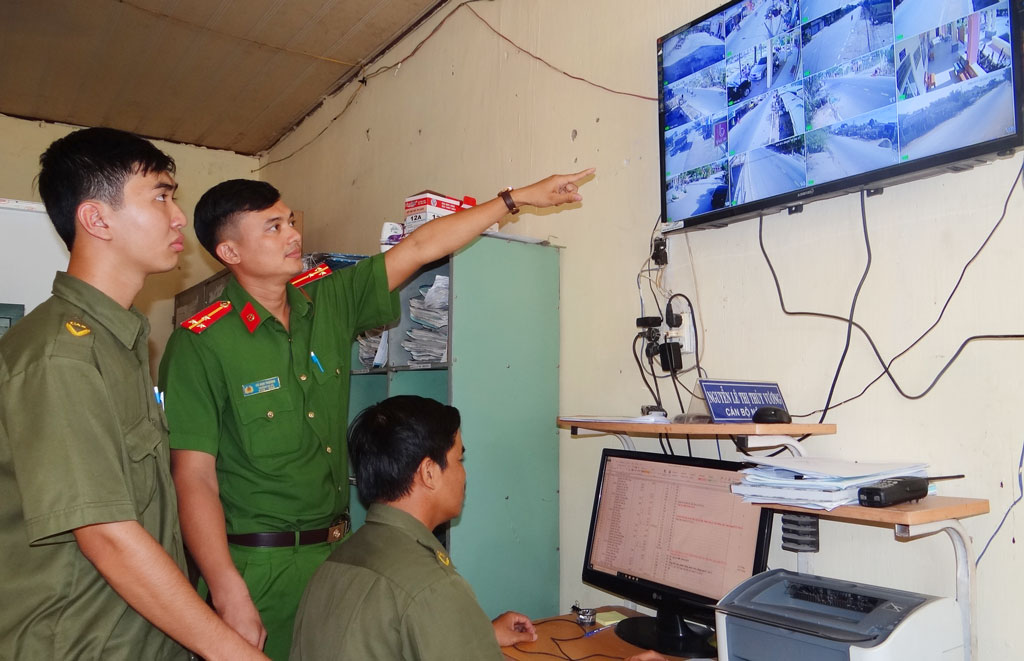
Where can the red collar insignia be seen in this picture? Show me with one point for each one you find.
(250, 317)
(315, 273)
(206, 317)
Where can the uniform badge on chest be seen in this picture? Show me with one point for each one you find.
(261, 386)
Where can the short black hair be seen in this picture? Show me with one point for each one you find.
(221, 206)
(388, 441)
(93, 164)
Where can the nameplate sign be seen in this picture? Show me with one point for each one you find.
(736, 401)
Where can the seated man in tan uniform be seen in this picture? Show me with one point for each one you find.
(391, 592)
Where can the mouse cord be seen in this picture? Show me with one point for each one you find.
(558, 644)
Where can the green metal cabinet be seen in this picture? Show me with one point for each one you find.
(502, 374)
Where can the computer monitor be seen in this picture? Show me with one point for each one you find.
(667, 532)
(765, 105)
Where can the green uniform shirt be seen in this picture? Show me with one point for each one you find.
(82, 441)
(390, 593)
(274, 417)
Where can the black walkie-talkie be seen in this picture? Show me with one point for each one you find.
(895, 490)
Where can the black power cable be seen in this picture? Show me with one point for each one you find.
(643, 374)
(886, 365)
(853, 307)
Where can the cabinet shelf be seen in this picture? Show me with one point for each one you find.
(414, 367)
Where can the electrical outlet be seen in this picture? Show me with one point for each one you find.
(683, 335)
(660, 253)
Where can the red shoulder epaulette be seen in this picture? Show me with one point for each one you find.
(315, 273)
(205, 318)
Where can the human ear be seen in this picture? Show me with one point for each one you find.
(227, 252)
(91, 217)
(428, 473)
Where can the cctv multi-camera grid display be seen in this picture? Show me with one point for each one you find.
(766, 103)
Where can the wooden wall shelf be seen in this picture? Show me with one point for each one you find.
(927, 510)
(702, 429)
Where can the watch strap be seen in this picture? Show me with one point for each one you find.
(506, 195)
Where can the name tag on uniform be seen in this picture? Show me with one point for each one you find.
(265, 385)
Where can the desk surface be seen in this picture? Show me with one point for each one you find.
(561, 638)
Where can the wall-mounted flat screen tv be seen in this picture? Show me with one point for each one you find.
(768, 104)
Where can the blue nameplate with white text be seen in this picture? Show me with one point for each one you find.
(257, 387)
(736, 401)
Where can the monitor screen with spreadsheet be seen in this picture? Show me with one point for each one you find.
(667, 532)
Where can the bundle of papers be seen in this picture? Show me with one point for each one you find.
(423, 314)
(814, 482)
(373, 348)
(426, 346)
(428, 340)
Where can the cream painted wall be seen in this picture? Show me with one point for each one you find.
(21, 143)
(470, 113)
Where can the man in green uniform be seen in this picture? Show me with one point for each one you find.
(89, 539)
(391, 593)
(256, 390)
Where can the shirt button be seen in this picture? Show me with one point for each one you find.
(270, 414)
(337, 370)
(328, 452)
(310, 415)
(302, 377)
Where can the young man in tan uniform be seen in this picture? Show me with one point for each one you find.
(89, 539)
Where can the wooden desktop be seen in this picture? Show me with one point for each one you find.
(561, 638)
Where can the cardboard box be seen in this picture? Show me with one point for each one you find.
(425, 206)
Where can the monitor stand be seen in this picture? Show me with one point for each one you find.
(667, 633)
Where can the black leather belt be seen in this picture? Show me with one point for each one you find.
(294, 538)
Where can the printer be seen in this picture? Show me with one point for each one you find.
(781, 614)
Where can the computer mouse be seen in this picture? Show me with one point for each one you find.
(771, 415)
(653, 416)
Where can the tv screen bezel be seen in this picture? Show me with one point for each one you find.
(955, 160)
(697, 607)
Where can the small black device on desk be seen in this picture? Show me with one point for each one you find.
(771, 415)
(897, 490)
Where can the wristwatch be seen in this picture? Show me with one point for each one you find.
(506, 195)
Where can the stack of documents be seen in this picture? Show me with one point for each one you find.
(814, 482)
(373, 348)
(428, 340)
(426, 346)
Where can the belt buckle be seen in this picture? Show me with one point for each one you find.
(338, 531)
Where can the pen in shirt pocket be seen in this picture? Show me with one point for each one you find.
(316, 361)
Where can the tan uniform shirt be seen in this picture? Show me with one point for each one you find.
(82, 441)
(391, 593)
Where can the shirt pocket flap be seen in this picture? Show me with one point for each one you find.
(264, 405)
(329, 367)
(142, 440)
